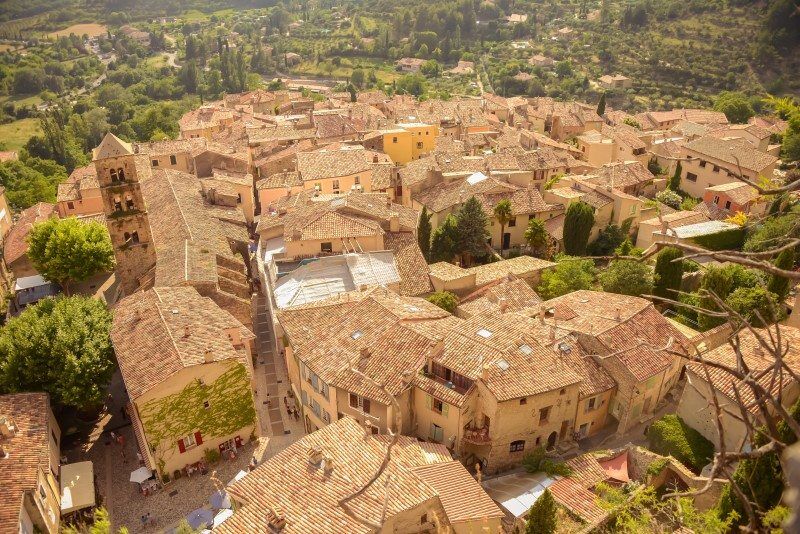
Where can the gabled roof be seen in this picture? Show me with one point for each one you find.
(307, 496)
(734, 152)
(158, 332)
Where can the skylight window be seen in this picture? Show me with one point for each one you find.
(526, 349)
(502, 364)
(565, 348)
(357, 334)
(484, 333)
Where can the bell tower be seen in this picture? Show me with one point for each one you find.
(125, 211)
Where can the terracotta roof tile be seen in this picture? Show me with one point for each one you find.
(27, 452)
(16, 244)
(160, 331)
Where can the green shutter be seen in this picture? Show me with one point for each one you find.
(445, 408)
(429, 402)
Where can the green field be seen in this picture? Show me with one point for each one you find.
(15, 134)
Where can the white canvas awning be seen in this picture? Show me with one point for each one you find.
(141, 474)
(77, 486)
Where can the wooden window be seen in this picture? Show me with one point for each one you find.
(592, 404)
(523, 401)
(355, 401)
(728, 205)
(512, 222)
(70, 205)
(155, 163)
(692, 177)
(517, 446)
(135, 237)
(544, 415)
(189, 442)
(716, 200)
(326, 247)
(173, 160)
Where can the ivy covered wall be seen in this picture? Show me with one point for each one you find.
(170, 418)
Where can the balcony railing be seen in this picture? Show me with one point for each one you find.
(479, 436)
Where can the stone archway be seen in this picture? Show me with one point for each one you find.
(551, 440)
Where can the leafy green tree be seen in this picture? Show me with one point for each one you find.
(472, 224)
(431, 68)
(611, 237)
(503, 213)
(445, 300)
(68, 250)
(101, 524)
(358, 77)
(60, 346)
(424, 233)
(569, 274)
(668, 273)
(577, 227)
(627, 277)
(719, 282)
(601, 106)
(536, 235)
(190, 77)
(772, 231)
(542, 518)
(735, 106)
(755, 304)
(675, 179)
(31, 181)
(444, 241)
(779, 285)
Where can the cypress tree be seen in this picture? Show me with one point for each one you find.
(472, 222)
(601, 106)
(424, 233)
(542, 515)
(675, 180)
(668, 273)
(577, 227)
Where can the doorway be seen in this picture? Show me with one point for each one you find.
(551, 440)
(506, 240)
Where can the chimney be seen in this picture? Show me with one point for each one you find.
(617, 315)
(364, 357)
(208, 357)
(542, 311)
(7, 428)
(314, 456)
(485, 372)
(328, 464)
(187, 331)
(296, 234)
(552, 333)
(275, 522)
(394, 222)
(503, 305)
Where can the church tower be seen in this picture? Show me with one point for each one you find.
(125, 211)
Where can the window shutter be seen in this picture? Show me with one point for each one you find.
(181, 446)
(432, 434)
(353, 400)
(445, 408)
(198, 438)
(366, 405)
(428, 402)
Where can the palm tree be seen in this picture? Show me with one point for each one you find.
(503, 214)
(536, 235)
